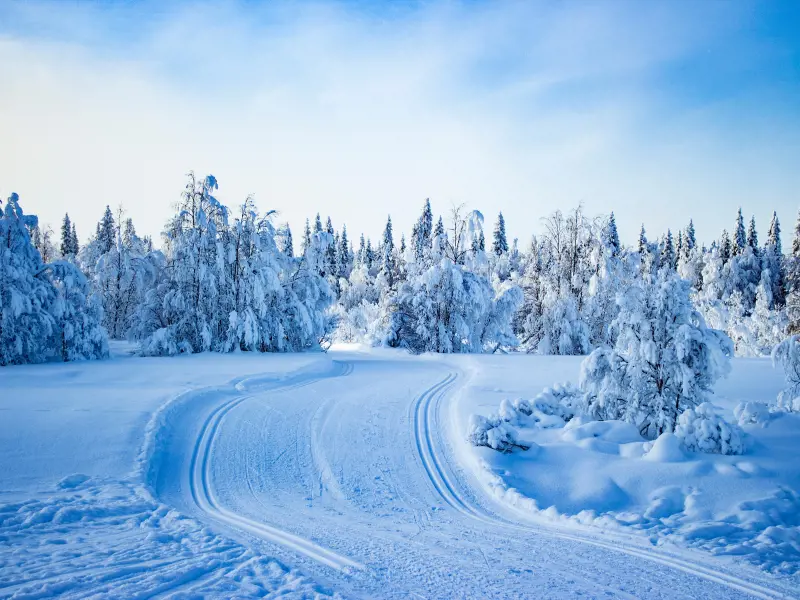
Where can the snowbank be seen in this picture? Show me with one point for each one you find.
(689, 487)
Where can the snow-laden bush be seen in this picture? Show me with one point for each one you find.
(787, 355)
(751, 413)
(552, 407)
(700, 429)
(664, 361)
(493, 432)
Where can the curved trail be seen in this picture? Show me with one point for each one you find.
(203, 494)
(348, 476)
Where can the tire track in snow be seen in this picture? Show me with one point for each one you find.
(203, 495)
(425, 414)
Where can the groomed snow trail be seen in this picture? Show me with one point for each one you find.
(348, 476)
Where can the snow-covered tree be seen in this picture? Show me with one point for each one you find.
(106, 231)
(46, 310)
(665, 359)
(500, 243)
(69, 245)
(739, 235)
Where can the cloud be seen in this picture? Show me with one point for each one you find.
(357, 111)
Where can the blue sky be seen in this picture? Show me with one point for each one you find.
(659, 111)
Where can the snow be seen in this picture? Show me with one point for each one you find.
(347, 474)
(606, 475)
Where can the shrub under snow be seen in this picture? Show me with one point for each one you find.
(493, 432)
(751, 413)
(702, 430)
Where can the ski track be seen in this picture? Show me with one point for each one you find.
(204, 498)
(426, 413)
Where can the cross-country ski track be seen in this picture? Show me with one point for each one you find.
(349, 476)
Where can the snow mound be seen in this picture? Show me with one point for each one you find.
(702, 430)
(666, 448)
(751, 413)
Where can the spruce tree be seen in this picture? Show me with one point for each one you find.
(66, 237)
(774, 235)
(668, 252)
(387, 260)
(75, 246)
(752, 235)
(482, 242)
(288, 242)
(725, 250)
(690, 238)
(612, 235)
(439, 229)
(739, 235)
(317, 224)
(344, 254)
(421, 232)
(500, 243)
(106, 231)
(306, 238)
(642, 249)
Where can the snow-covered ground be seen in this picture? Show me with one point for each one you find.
(347, 474)
(606, 475)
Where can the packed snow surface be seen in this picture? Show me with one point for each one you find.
(348, 474)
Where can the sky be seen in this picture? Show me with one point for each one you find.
(658, 111)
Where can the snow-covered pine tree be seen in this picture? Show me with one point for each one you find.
(665, 359)
(438, 231)
(739, 235)
(106, 231)
(690, 240)
(317, 224)
(422, 232)
(611, 235)
(725, 247)
(752, 236)
(772, 260)
(667, 259)
(67, 246)
(388, 273)
(499, 242)
(306, 238)
(75, 245)
(286, 241)
(344, 260)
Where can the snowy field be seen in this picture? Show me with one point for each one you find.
(347, 474)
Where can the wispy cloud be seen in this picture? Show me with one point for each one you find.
(358, 111)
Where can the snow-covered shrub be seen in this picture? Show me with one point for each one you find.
(552, 407)
(787, 354)
(564, 330)
(494, 433)
(700, 429)
(665, 359)
(751, 413)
